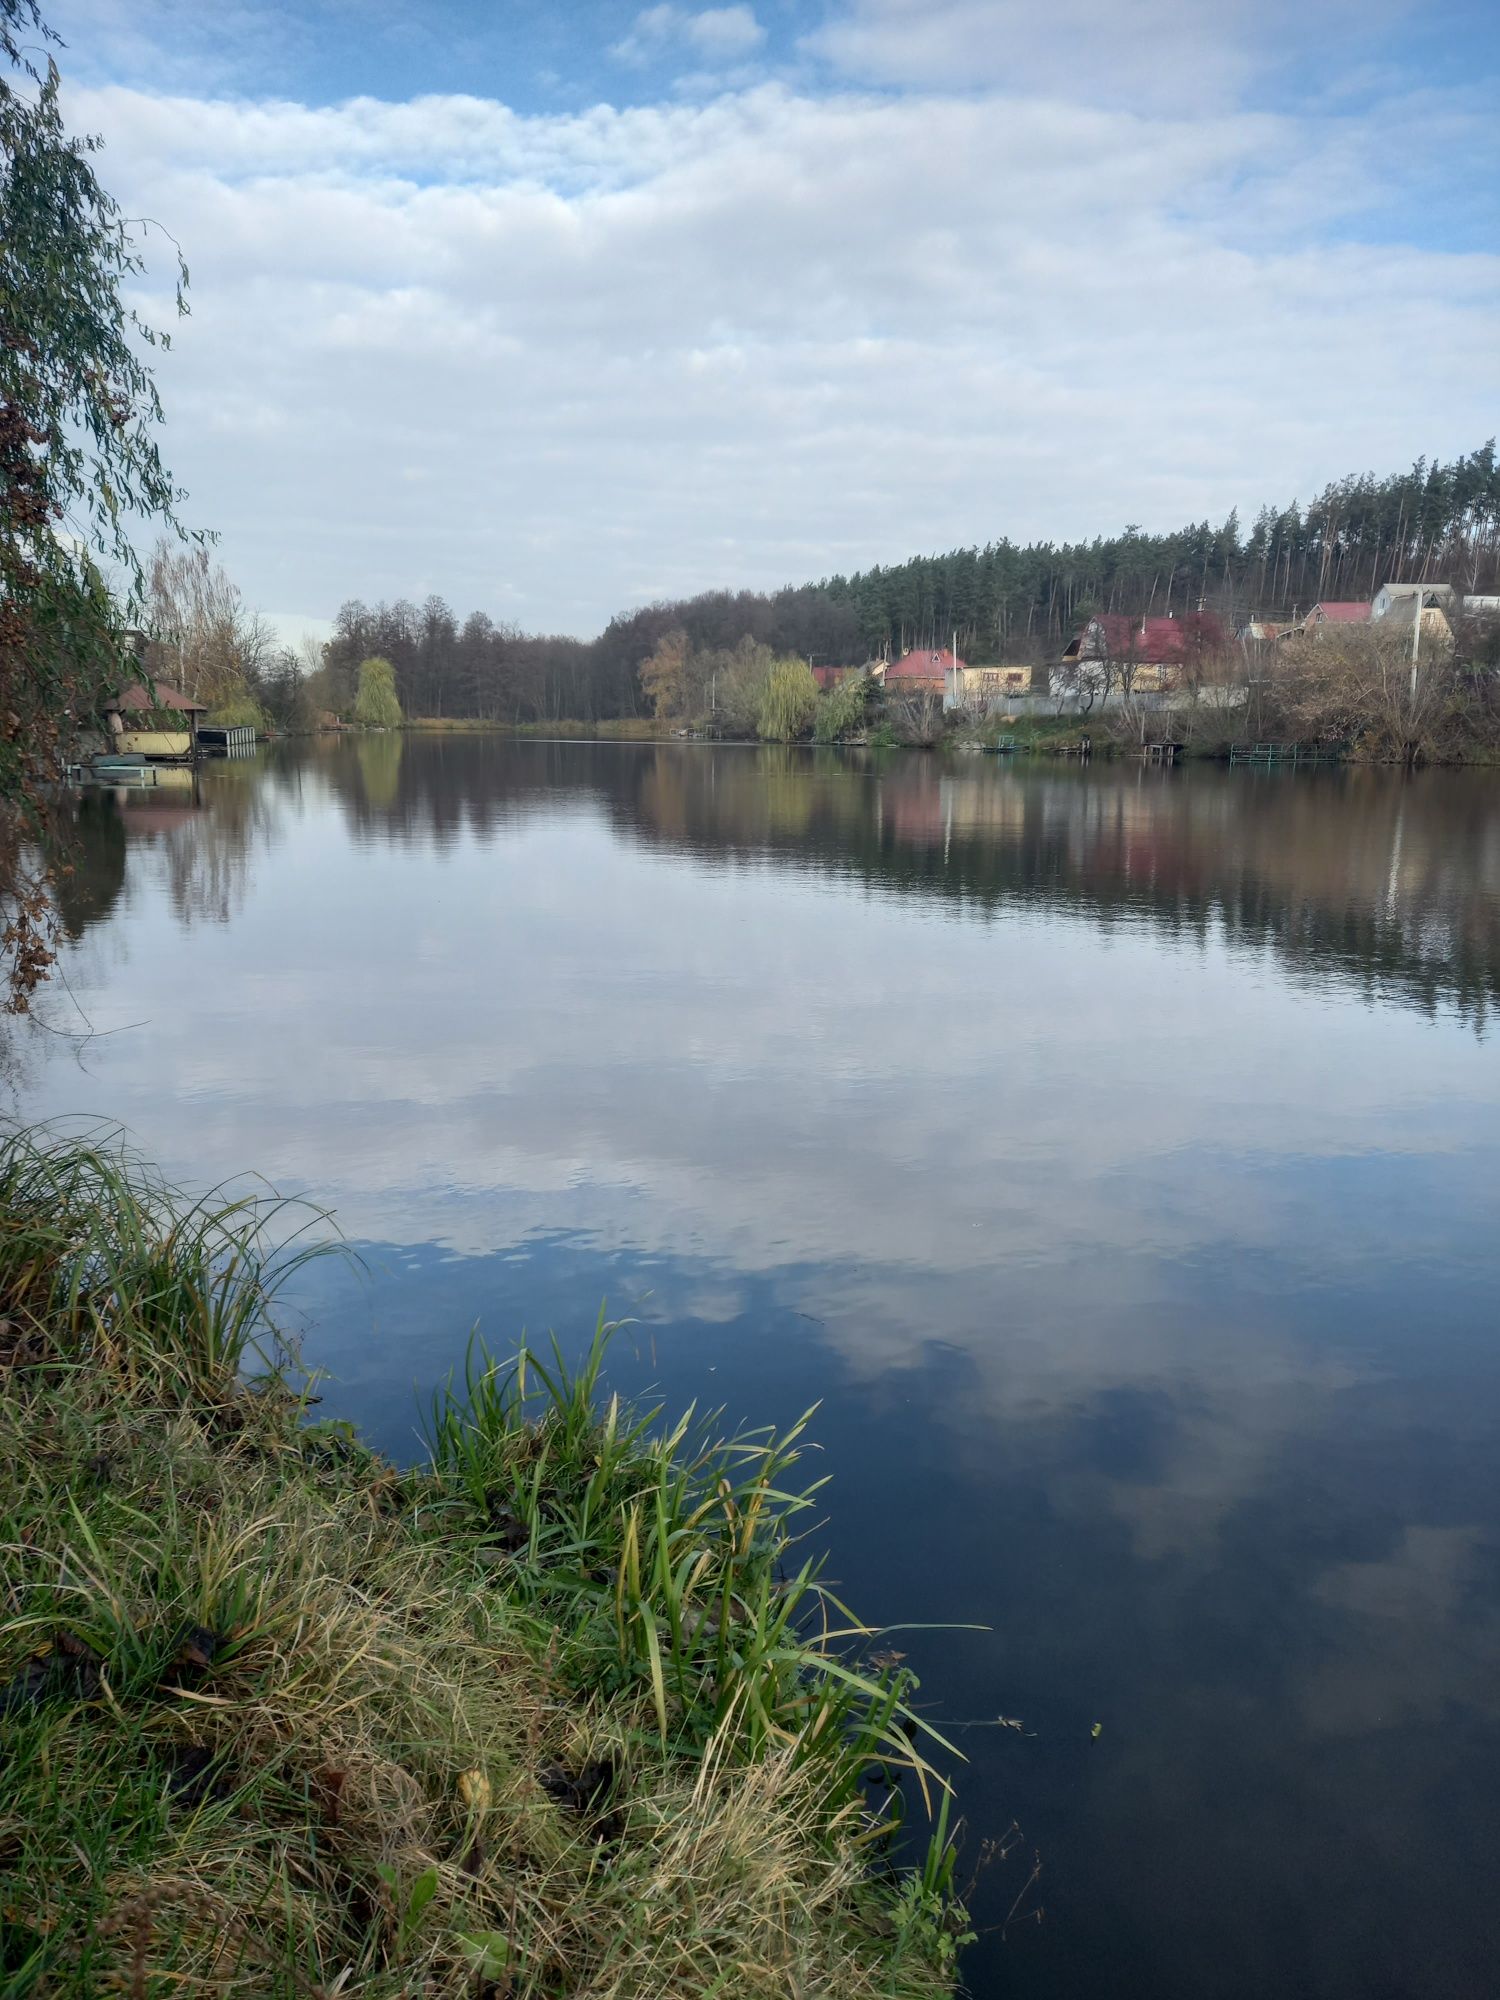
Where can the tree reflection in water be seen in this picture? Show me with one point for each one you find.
(1384, 880)
(1111, 1151)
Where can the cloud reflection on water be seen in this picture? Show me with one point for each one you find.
(1116, 1154)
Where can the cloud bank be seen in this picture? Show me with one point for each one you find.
(556, 365)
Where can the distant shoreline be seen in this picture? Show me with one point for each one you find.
(1047, 738)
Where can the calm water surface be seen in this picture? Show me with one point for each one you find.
(1115, 1155)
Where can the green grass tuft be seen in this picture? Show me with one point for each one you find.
(559, 1712)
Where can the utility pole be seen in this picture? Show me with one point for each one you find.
(1416, 640)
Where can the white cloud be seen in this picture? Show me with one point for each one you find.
(716, 34)
(724, 32)
(552, 365)
(1159, 54)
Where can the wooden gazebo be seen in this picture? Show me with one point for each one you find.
(154, 721)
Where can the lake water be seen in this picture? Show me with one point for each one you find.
(1115, 1155)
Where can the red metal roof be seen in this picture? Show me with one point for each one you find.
(922, 664)
(1343, 613)
(1154, 641)
(155, 698)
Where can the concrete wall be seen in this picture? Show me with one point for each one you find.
(1231, 695)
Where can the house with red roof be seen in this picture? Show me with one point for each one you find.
(153, 719)
(1155, 652)
(153, 698)
(922, 669)
(1338, 611)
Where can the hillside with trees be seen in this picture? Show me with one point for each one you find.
(1436, 523)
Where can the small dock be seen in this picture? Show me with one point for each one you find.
(1162, 753)
(129, 769)
(85, 774)
(1284, 753)
(221, 740)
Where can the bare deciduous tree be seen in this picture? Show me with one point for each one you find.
(739, 681)
(201, 637)
(1088, 675)
(1369, 686)
(916, 712)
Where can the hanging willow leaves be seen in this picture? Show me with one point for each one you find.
(376, 706)
(788, 702)
(79, 464)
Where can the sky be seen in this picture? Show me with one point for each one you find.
(558, 309)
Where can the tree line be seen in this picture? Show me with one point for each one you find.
(80, 470)
(1005, 601)
(1437, 522)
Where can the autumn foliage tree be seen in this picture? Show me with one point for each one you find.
(78, 459)
(664, 675)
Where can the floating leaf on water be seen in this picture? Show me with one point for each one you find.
(1097, 1731)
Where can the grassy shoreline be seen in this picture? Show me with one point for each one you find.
(1045, 735)
(560, 1711)
(627, 729)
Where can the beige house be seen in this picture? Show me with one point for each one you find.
(1156, 677)
(983, 687)
(1407, 602)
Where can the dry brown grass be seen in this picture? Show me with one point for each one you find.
(277, 1720)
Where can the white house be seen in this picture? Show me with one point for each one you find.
(1399, 599)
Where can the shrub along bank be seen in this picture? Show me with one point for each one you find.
(560, 1711)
